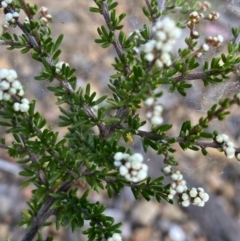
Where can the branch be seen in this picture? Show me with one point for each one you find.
(150, 10)
(203, 144)
(199, 75)
(4, 146)
(12, 43)
(118, 47)
(44, 213)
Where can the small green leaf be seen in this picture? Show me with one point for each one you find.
(58, 43)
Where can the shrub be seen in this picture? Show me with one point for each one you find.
(93, 149)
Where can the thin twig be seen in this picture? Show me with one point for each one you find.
(199, 75)
(116, 44)
(12, 43)
(203, 144)
(30, 16)
(154, 19)
(4, 146)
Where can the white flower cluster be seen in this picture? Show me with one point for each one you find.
(212, 16)
(195, 17)
(45, 16)
(196, 196)
(203, 6)
(10, 18)
(131, 166)
(154, 114)
(215, 41)
(59, 66)
(165, 33)
(178, 184)
(115, 237)
(9, 85)
(227, 146)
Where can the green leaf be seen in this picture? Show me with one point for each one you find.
(58, 43)
(112, 6)
(24, 51)
(5, 124)
(94, 10)
(56, 55)
(111, 120)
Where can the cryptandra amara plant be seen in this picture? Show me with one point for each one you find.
(144, 61)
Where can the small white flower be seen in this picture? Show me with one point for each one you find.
(230, 152)
(25, 100)
(4, 4)
(205, 47)
(118, 156)
(193, 14)
(172, 191)
(12, 91)
(159, 63)
(137, 157)
(6, 96)
(219, 138)
(128, 165)
(158, 109)
(8, 17)
(170, 196)
(117, 237)
(185, 203)
(174, 177)
(166, 59)
(123, 170)
(180, 189)
(11, 77)
(149, 114)
(24, 107)
(16, 106)
(4, 85)
(134, 179)
(204, 196)
(117, 163)
(142, 174)
(15, 14)
(220, 38)
(185, 196)
(144, 167)
(167, 169)
(149, 101)
(136, 165)
(149, 57)
(200, 189)
(161, 36)
(193, 192)
(229, 143)
(156, 120)
(3, 73)
(201, 204)
(21, 92)
(197, 200)
(195, 34)
(238, 156)
(17, 85)
(149, 46)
